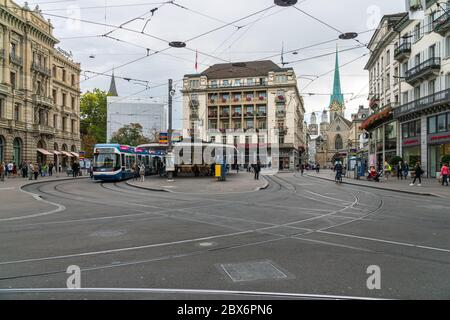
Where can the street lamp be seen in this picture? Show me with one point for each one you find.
(285, 3)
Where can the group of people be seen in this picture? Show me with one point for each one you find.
(27, 170)
(138, 171)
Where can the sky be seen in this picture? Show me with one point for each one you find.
(211, 27)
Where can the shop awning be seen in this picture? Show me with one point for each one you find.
(57, 152)
(67, 154)
(76, 155)
(44, 152)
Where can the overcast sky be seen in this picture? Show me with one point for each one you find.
(257, 37)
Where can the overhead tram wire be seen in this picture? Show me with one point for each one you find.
(326, 24)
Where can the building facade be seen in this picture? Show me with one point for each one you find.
(241, 103)
(419, 126)
(39, 91)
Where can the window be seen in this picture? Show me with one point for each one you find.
(441, 123)
(55, 96)
(13, 49)
(73, 79)
(250, 82)
(12, 76)
(388, 81)
(55, 121)
(417, 92)
(237, 82)
(388, 57)
(54, 71)
(73, 102)
(64, 99)
(432, 125)
(224, 139)
(64, 124)
(447, 46)
(235, 140)
(194, 83)
(338, 145)
(432, 51)
(17, 112)
(213, 139)
(281, 79)
(214, 83)
(417, 32)
(431, 86)
(73, 125)
(2, 108)
(226, 83)
(64, 75)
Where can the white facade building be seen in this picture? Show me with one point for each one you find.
(123, 111)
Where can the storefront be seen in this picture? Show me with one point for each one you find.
(411, 133)
(438, 139)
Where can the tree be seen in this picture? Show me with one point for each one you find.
(87, 144)
(446, 158)
(130, 134)
(93, 113)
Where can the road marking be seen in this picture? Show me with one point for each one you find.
(384, 241)
(8, 188)
(59, 208)
(183, 291)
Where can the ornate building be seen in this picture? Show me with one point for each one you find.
(39, 91)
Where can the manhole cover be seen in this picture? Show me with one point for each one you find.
(107, 233)
(252, 271)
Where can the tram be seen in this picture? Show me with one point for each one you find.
(113, 162)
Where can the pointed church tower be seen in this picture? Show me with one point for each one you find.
(112, 87)
(337, 104)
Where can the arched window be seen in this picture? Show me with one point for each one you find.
(338, 142)
(73, 148)
(2, 149)
(17, 151)
(55, 146)
(64, 147)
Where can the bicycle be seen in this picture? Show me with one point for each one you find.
(338, 177)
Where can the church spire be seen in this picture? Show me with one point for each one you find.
(337, 104)
(112, 87)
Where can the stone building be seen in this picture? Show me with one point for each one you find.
(39, 91)
(235, 103)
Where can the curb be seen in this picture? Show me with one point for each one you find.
(56, 180)
(265, 186)
(146, 188)
(380, 188)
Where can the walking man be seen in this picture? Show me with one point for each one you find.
(302, 169)
(399, 171)
(419, 172)
(36, 171)
(444, 174)
(142, 172)
(30, 171)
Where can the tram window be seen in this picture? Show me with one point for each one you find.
(123, 160)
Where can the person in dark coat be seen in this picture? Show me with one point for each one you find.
(418, 174)
(257, 169)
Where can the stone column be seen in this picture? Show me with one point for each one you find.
(424, 145)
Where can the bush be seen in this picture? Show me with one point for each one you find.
(446, 158)
(395, 160)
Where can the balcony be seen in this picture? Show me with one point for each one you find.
(44, 129)
(236, 100)
(224, 101)
(213, 101)
(42, 100)
(261, 99)
(239, 85)
(281, 114)
(236, 115)
(42, 70)
(423, 71)
(15, 59)
(436, 102)
(402, 52)
(249, 114)
(280, 99)
(281, 129)
(261, 114)
(248, 99)
(224, 115)
(212, 115)
(442, 24)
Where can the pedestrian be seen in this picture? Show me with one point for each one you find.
(24, 170)
(302, 169)
(405, 169)
(44, 170)
(387, 170)
(444, 174)
(10, 169)
(399, 171)
(317, 168)
(37, 168)
(50, 169)
(14, 170)
(91, 171)
(418, 174)
(2, 172)
(30, 171)
(257, 169)
(142, 172)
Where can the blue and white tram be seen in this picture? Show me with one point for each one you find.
(113, 162)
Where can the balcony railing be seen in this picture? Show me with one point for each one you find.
(403, 51)
(423, 70)
(43, 70)
(281, 129)
(225, 115)
(249, 114)
(433, 100)
(43, 100)
(212, 114)
(237, 115)
(442, 24)
(241, 85)
(15, 59)
(280, 99)
(261, 114)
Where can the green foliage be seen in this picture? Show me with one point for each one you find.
(395, 160)
(93, 115)
(130, 134)
(446, 158)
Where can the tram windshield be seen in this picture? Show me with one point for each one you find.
(106, 161)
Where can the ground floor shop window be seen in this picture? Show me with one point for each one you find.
(435, 154)
(411, 155)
